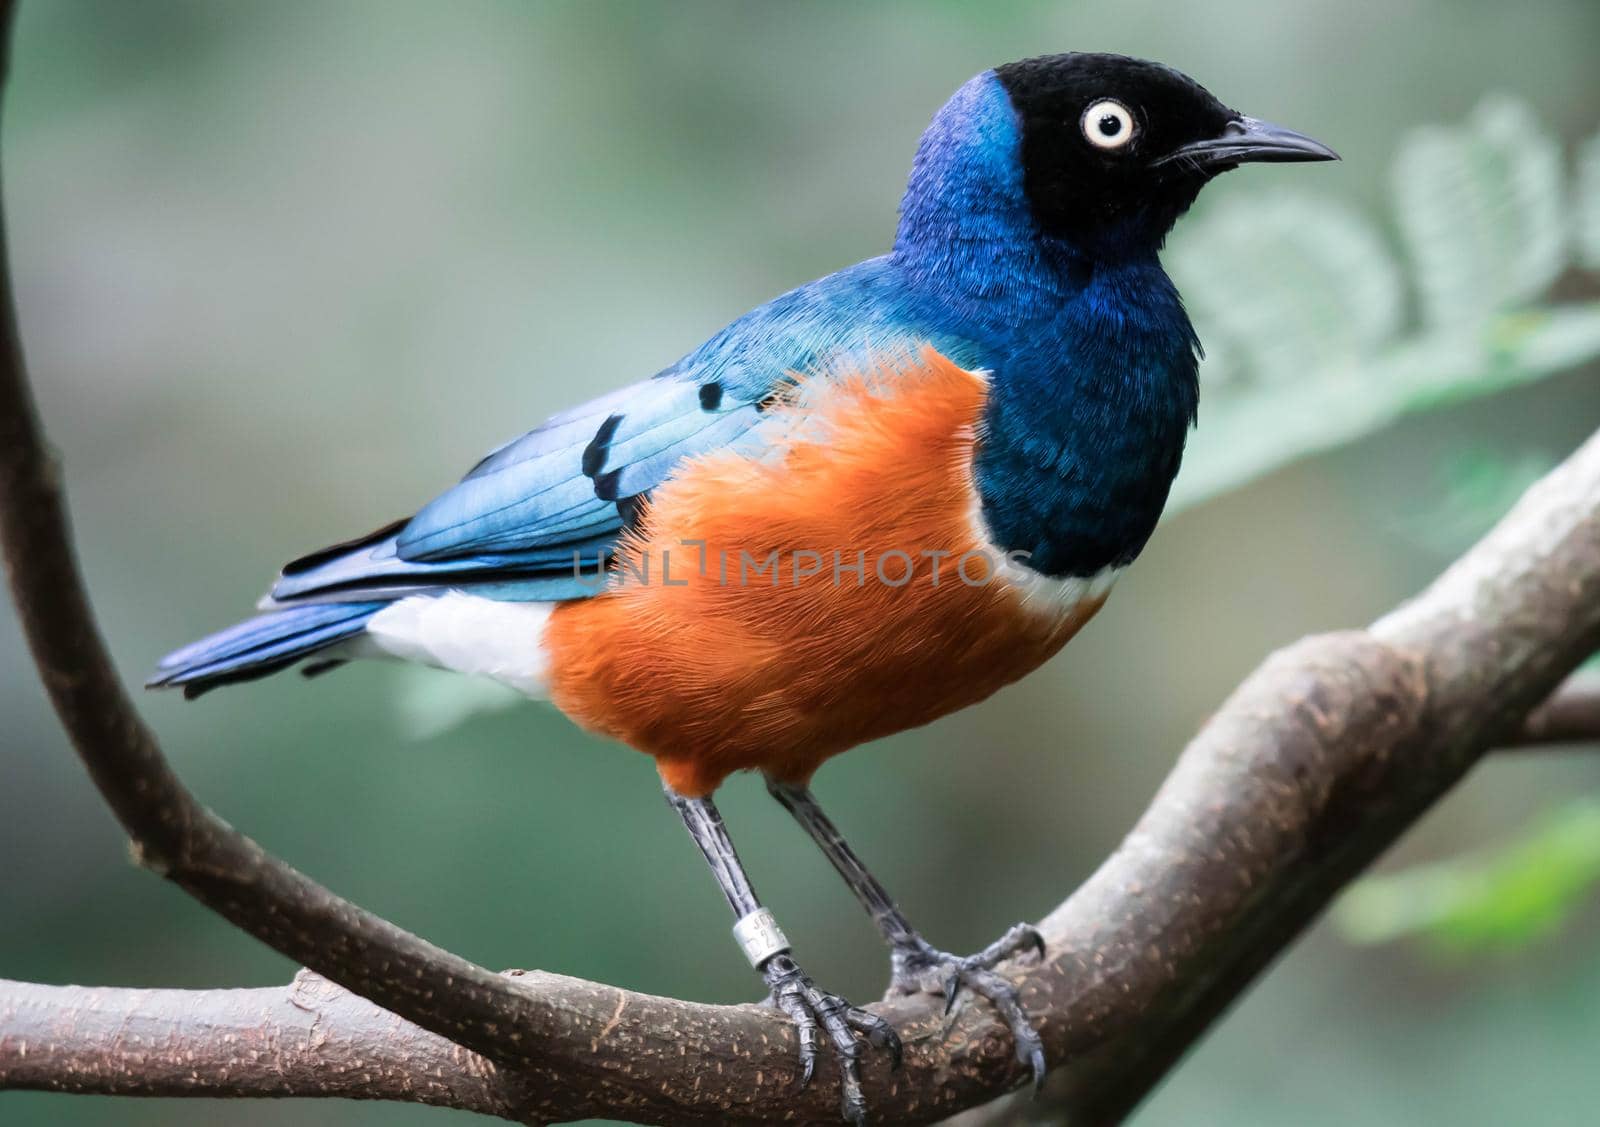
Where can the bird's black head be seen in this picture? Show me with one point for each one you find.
(1118, 148)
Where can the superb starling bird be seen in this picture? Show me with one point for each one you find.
(876, 499)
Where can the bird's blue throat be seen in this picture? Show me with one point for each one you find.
(1093, 359)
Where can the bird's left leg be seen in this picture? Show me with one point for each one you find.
(915, 964)
(810, 1008)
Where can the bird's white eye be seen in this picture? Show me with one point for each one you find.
(1107, 124)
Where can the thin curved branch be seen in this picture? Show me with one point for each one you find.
(172, 833)
(1315, 764)
(1570, 716)
(310, 1038)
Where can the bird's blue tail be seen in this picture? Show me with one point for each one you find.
(263, 645)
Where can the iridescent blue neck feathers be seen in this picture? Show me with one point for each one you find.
(1093, 359)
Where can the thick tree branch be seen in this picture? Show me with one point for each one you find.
(313, 1038)
(1317, 762)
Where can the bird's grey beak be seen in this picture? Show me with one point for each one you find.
(1246, 139)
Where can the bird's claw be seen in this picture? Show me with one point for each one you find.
(812, 1009)
(922, 968)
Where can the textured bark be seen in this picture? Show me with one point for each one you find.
(1314, 765)
(310, 1038)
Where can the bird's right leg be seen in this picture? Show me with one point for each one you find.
(915, 964)
(767, 948)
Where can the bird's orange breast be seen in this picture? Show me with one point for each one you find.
(775, 609)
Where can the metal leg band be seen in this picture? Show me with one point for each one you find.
(759, 937)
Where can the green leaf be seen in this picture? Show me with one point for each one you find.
(1481, 211)
(1247, 430)
(1302, 303)
(1497, 899)
(1289, 281)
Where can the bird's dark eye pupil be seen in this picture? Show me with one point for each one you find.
(1110, 125)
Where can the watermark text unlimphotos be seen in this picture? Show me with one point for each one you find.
(790, 567)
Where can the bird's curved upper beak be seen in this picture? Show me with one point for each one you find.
(1247, 139)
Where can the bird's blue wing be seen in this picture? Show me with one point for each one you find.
(510, 529)
(535, 519)
(575, 477)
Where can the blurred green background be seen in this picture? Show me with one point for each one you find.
(285, 269)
